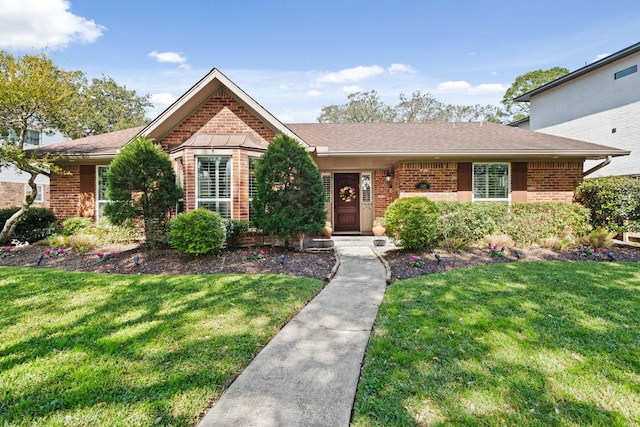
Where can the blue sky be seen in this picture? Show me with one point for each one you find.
(294, 57)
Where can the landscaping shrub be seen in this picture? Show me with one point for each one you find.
(289, 199)
(234, 229)
(413, 222)
(35, 225)
(464, 223)
(74, 224)
(197, 233)
(614, 202)
(528, 223)
(599, 238)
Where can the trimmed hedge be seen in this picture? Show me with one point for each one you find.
(413, 222)
(455, 225)
(614, 202)
(34, 226)
(197, 233)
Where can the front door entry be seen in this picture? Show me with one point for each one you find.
(347, 202)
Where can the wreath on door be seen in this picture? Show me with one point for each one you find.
(348, 194)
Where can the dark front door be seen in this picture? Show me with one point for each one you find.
(347, 202)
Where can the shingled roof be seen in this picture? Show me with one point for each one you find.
(475, 139)
(479, 139)
(104, 146)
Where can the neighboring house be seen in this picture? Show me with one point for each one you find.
(215, 132)
(598, 103)
(14, 183)
(14, 186)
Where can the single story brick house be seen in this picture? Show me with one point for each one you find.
(215, 132)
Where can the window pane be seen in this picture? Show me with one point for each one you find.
(102, 182)
(491, 181)
(366, 188)
(222, 207)
(252, 177)
(214, 177)
(326, 187)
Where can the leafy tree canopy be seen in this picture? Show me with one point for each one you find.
(37, 95)
(289, 197)
(367, 107)
(142, 186)
(106, 107)
(523, 84)
(34, 94)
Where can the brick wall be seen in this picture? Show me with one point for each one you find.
(65, 191)
(220, 114)
(546, 182)
(12, 195)
(73, 194)
(552, 181)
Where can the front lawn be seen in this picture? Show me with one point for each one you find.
(552, 343)
(131, 350)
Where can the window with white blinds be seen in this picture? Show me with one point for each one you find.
(214, 184)
(491, 181)
(252, 185)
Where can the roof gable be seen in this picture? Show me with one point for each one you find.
(199, 94)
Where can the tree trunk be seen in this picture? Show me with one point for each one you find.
(9, 228)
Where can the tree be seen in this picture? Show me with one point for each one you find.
(362, 107)
(106, 107)
(36, 95)
(367, 107)
(289, 197)
(419, 108)
(141, 185)
(526, 83)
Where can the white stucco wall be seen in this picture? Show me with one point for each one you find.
(590, 108)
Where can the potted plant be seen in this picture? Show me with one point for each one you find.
(378, 227)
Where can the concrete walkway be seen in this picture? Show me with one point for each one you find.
(308, 374)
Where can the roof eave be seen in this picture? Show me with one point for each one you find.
(592, 155)
(526, 97)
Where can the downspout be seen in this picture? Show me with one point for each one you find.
(607, 160)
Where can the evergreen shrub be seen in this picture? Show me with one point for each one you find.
(197, 233)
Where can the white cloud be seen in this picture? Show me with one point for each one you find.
(601, 56)
(313, 93)
(457, 85)
(160, 103)
(36, 24)
(349, 75)
(401, 68)
(488, 88)
(170, 57)
(351, 89)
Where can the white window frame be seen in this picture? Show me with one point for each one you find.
(494, 199)
(39, 197)
(252, 185)
(216, 200)
(100, 202)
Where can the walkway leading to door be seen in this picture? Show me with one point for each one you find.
(308, 374)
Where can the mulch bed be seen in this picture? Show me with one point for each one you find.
(399, 260)
(317, 264)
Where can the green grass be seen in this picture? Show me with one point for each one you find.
(127, 350)
(525, 344)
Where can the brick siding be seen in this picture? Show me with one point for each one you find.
(553, 181)
(12, 195)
